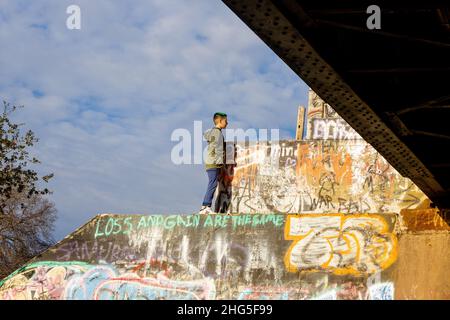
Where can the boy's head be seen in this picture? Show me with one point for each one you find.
(220, 120)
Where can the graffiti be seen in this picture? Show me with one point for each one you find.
(114, 226)
(105, 227)
(379, 291)
(354, 244)
(39, 281)
(255, 220)
(324, 123)
(264, 294)
(330, 295)
(347, 291)
(425, 219)
(87, 250)
(335, 129)
(318, 177)
(352, 290)
(103, 283)
(382, 291)
(332, 167)
(295, 290)
(79, 281)
(251, 258)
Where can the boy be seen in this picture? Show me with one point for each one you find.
(215, 158)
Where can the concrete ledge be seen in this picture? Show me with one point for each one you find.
(251, 256)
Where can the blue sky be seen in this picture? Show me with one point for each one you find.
(105, 99)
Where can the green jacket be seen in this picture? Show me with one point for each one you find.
(215, 157)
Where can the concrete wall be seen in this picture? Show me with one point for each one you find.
(272, 256)
(214, 257)
(316, 177)
(423, 261)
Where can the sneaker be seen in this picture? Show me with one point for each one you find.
(205, 210)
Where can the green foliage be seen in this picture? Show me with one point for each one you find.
(15, 176)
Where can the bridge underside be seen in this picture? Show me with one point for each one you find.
(391, 85)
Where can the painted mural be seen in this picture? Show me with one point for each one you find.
(316, 177)
(196, 257)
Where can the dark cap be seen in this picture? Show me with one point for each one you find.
(220, 114)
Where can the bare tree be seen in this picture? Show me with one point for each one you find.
(25, 230)
(26, 215)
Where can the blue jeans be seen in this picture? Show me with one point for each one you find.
(213, 179)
